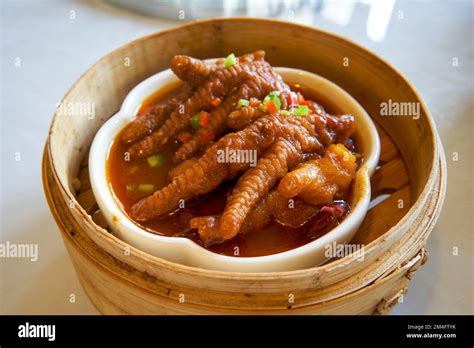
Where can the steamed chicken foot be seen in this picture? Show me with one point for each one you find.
(320, 181)
(254, 184)
(145, 124)
(219, 84)
(192, 70)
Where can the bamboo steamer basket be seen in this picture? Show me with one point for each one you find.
(120, 279)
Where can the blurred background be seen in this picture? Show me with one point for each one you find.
(47, 44)
(339, 12)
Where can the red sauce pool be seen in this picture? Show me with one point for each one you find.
(272, 239)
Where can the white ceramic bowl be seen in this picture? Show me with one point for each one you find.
(185, 251)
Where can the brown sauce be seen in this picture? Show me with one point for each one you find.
(272, 239)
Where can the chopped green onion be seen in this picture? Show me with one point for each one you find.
(262, 108)
(146, 187)
(242, 102)
(195, 121)
(274, 97)
(156, 160)
(285, 112)
(302, 110)
(131, 187)
(230, 60)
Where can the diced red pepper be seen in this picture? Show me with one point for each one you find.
(271, 107)
(306, 102)
(292, 100)
(254, 102)
(207, 137)
(184, 137)
(215, 102)
(204, 119)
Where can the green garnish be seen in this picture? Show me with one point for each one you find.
(302, 110)
(131, 187)
(195, 121)
(285, 112)
(156, 160)
(242, 102)
(146, 187)
(274, 97)
(230, 60)
(262, 108)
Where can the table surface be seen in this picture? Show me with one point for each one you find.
(45, 47)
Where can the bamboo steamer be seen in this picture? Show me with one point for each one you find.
(120, 279)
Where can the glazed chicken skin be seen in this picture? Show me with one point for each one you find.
(241, 104)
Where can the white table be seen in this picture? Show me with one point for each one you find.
(53, 50)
